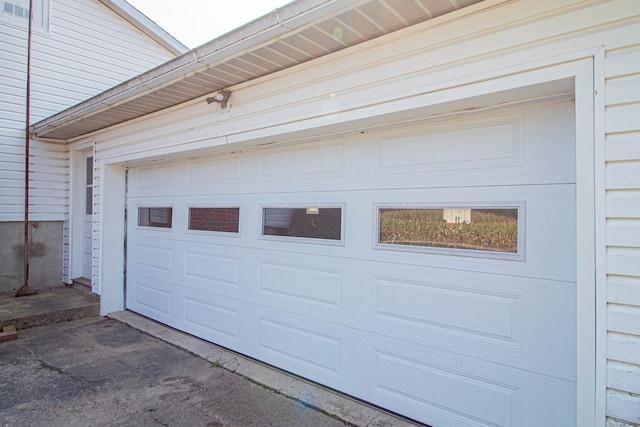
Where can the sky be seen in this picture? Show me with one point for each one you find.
(195, 22)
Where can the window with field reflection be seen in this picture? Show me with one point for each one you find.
(476, 229)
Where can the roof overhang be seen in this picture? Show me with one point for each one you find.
(294, 34)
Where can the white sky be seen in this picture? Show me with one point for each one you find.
(195, 22)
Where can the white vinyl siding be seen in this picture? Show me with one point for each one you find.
(623, 234)
(87, 49)
(422, 61)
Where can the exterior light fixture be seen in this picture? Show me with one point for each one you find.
(220, 97)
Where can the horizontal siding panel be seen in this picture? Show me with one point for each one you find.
(103, 46)
(14, 48)
(623, 406)
(58, 211)
(623, 348)
(9, 136)
(10, 151)
(13, 114)
(623, 319)
(624, 290)
(623, 232)
(11, 162)
(46, 164)
(84, 70)
(12, 128)
(36, 176)
(10, 183)
(623, 377)
(15, 68)
(43, 197)
(10, 177)
(50, 88)
(622, 62)
(622, 119)
(623, 175)
(46, 216)
(47, 152)
(14, 91)
(13, 201)
(623, 204)
(34, 192)
(623, 90)
(617, 423)
(623, 147)
(623, 261)
(99, 22)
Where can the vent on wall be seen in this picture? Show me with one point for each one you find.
(17, 11)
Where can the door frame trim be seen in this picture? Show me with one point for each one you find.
(77, 185)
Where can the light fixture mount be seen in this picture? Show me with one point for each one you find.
(221, 97)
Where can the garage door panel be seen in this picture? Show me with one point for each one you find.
(520, 322)
(213, 317)
(452, 148)
(464, 398)
(309, 285)
(150, 297)
(153, 257)
(203, 173)
(491, 149)
(217, 321)
(303, 347)
(201, 267)
(455, 337)
(453, 390)
(306, 164)
(476, 313)
(154, 178)
(211, 267)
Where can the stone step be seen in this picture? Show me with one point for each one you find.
(50, 305)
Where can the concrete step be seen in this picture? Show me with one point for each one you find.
(50, 305)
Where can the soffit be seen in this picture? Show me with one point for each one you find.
(294, 34)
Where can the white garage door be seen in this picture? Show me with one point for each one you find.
(427, 269)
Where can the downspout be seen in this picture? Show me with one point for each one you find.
(25, 289)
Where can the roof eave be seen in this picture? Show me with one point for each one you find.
(268, 27)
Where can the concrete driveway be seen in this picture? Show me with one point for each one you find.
(101, 372)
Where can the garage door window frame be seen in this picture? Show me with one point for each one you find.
(234, 234)
(141, 226)
(304, 240)
(519, 255)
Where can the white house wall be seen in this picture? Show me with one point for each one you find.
(86, 50)
(414, 67)
(622, 94)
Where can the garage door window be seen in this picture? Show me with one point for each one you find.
(223, 220)
(306, 222)
(465, 230)
(155, 217)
